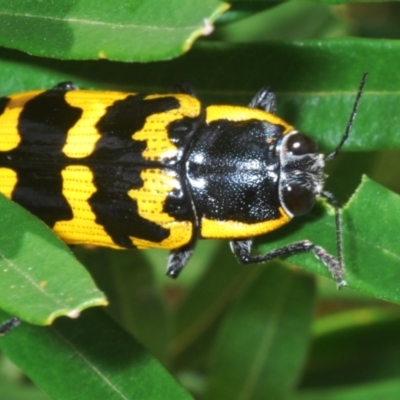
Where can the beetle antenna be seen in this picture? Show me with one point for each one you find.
(351, 120)
(329, 196)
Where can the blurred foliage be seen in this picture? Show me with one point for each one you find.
(227, 331)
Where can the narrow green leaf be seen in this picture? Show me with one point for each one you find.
(202, 309)
(242, 9)
(365, 352)
(135, 299)
(349, 1)
(284, 22)
(91, 358)
(262, 344)
(40, 279)
(358, 317)
(387, 390)
(9, 391)
(88, 29)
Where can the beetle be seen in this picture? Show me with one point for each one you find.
(128, 170)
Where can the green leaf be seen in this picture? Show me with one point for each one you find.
(284, 22)
(360, 316)
(11, 391)
(370, 247)
(262, 344)
(88, 29)
(135, 299)
(388, 390)
(242, 9)
(91, 358)
(40, 279)
(364, 352)
(198, 316)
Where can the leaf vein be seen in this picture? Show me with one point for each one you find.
(91, 365)
(110, 25)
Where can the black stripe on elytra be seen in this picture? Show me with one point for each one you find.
(43, 125)
(117, 162)
(3, 104)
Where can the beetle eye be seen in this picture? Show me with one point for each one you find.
(298, 199)
(300, 144)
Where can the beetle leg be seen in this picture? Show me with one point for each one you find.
(265, 100)
(9, 325)
(178, 258)
(242, 250)
(184, 88)
(65, 86)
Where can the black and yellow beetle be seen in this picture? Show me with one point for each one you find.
(128, 170)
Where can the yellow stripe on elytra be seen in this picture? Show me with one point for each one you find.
(150, 201)
(8, 180)
(238, 113)
(83, 136)
(82, 229)
(212, 229)
(155, 131)
(9, 135)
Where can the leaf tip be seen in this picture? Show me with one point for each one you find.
(207, 27)
(74, 314)
(353, 197)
